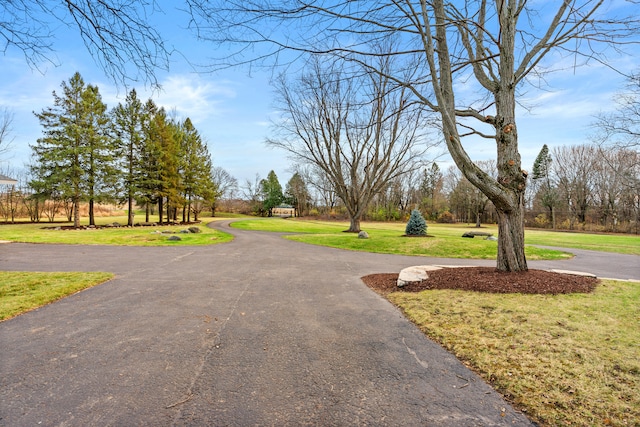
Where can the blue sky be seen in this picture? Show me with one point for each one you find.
(232, 110)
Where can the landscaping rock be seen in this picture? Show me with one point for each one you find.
(417, 273)
(174, 238)
(472, 234)
(363, 235)
(194, 230)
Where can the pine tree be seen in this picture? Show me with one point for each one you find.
(542, 172)
(416, 226)
(271, 192)
(128, 126)
(196, 170)
(100, 170)
(72, 156)
(148, 176)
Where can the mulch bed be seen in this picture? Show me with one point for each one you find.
(487, 279)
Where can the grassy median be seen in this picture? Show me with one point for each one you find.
(123, 236)
(24, 291)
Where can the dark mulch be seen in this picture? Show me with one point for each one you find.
(487, 279)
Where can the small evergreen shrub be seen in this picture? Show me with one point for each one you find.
(416, 226)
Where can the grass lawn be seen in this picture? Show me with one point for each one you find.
(618, 243)
(136, 236)
(445, 240)
(565, 359)
(24, 291)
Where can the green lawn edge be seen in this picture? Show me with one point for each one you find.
(21, 292)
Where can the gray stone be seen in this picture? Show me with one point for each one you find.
(174, 238)
(472, 234)
(416, 273)
(363, 235)
(194, 230)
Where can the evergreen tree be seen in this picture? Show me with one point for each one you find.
(416, 226)
(271, 192)
(196, 170)
(128, 122)
(100, 170)
(148, 178)
(162, 140)
(542, 173)
(71, 157)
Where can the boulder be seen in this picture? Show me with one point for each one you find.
(363, 235)
(194, 230)
(472, 234)
(416, 273)
(174, 238)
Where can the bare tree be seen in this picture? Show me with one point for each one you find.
(117, 33)
(573, 168)
(620, 129)
(494, 48)
(6, 129)
(622, 126)
(360, 131)
(225, 185)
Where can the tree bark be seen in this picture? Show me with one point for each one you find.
(511, 255)
(354, 225)
(130, 213)
(76, 211)
(92, 219)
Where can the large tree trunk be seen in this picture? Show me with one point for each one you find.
(354, 225)
(511, 255)
(507, 191)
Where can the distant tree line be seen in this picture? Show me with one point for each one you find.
(583, 187)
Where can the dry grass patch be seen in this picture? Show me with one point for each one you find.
(564, 359)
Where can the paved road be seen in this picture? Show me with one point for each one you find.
(259, 331)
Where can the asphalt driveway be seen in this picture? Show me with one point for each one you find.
(259, 331)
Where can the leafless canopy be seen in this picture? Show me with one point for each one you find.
(6, 121)
(117, 33)
(360, 129)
